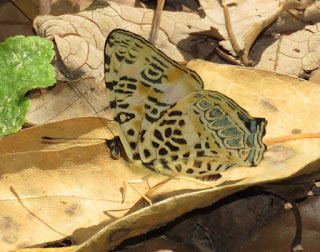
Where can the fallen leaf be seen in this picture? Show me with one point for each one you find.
(248, 19)
(80, 37)
(293, 54)
(287, 103)
(79, 178)
(279, 232)
(50, 190)
(69, 100)
(264, 94)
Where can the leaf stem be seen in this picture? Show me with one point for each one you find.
(276, 140)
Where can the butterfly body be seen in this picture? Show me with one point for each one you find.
(166, 122)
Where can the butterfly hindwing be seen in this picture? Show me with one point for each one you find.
(204, 133)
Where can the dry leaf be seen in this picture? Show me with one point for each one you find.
(80, 37)
(279, 232)
(75, 182)
(67, 101)
(287, 103)
(62, 186)
(248, 19)
(293, 54)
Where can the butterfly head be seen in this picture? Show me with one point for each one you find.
(116, 148)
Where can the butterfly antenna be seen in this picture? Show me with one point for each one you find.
(65, 138)
(100, 118)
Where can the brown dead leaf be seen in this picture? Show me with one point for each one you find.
(13, 22)
(80, 37)
(279, 232)
(294, 54)
(315, 77)
(67, 101)
(248, 18)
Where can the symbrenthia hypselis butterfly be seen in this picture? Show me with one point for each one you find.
(165, 120)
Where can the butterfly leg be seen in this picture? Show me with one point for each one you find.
(145, 178)
(151, 190)
(196, 180)
(141, 194)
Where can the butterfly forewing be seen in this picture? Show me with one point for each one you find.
(142, 83)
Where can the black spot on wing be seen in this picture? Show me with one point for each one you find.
(113, 104)
(133, 145)
(123, 106)
(178, 167)
(158, 135)
(150, 119)
(167, 122)
(168, 132)
(136, 156)
(197, 164)
(179, 140)
(154, 144)
(175, 113)
(130, 132)
(200, 153)
(177, 132)
(110, 85)
(163, 152)
(171, 147)
(187, 154)
(165, 164)
(181, 123)
(197, 146)
(146, 153)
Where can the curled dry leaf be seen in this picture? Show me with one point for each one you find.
(75, 182)
(290, 105)
(48, 191)
(248, 19)
(278, 231)
(80, 37)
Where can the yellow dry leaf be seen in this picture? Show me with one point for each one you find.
(290, 105)
(72, 188)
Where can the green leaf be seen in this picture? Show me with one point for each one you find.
(24, 64)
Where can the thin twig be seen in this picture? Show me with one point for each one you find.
(156, 22)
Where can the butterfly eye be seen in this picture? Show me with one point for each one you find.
(115, 147)
(115, 152)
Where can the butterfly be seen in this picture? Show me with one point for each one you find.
(166, 122)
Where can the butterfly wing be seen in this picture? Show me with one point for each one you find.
(203, 134)
(142, 83)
